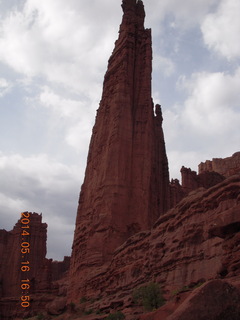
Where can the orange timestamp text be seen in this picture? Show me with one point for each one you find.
(25, 264)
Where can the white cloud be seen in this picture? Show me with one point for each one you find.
(5, 87)
(213, 106)
(40, 184)
(78, 136)
(57, 40)
(221, 29)
(163, 64)
(185, 14)
(19, 172)
(206, 124)
(61, 106)
(76, 116)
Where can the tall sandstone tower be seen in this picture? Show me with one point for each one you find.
(126, 186)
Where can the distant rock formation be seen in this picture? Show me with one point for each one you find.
(126, 185)
(41, 274)
(209, 174)
(10, 264)
(192, 181)
(226, 167)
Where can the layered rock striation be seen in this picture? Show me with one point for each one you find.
(126, 185)
(194, 242)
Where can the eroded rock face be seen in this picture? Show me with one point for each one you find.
(192, 181)
(196, 241)
(226, 167)
(126, 186)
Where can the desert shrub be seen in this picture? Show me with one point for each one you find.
(149, 296)
(116, 316)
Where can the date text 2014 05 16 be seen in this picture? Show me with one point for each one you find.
(25, 265)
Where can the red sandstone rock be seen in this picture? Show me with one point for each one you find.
(210, 173)
(41, 274)
(176, 192)
(59, 268)
(57, 306)
(216, 300)
(125, 190)
(226, 167)
(191, 181)
(10, 264)
(194, 242)
(126, 185)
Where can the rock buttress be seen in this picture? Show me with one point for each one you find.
(126, 185)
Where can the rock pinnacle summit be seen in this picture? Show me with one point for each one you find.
(126, 185)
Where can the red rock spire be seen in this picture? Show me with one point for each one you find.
(126, 185)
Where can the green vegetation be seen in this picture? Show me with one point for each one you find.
(116, 316)
(149, 296)
(40, 316)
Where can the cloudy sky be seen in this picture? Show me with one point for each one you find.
(53, 56)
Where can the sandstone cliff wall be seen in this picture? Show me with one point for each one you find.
(126, 185)
(196, 241)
